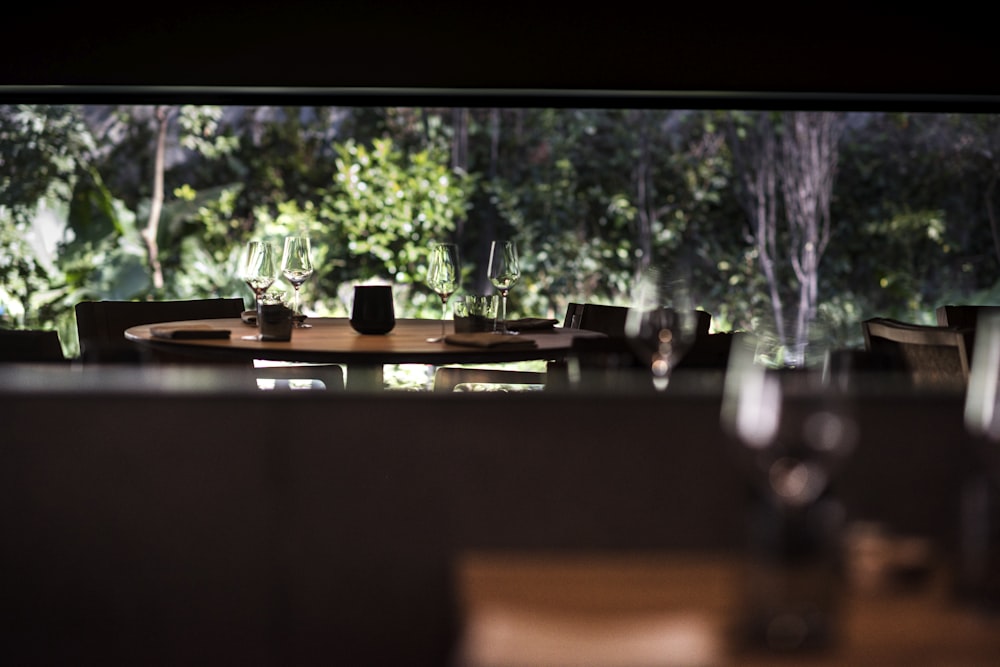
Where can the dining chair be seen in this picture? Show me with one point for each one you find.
(965, 316)
(30, 346)
(962, 315)
(709, 351)
(611, 363)
(606, 319)
(931, 357)
(101, 327)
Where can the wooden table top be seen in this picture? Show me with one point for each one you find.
(332, 340)
(676, 609)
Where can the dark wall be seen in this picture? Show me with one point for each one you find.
(645, 46)
(287, 529)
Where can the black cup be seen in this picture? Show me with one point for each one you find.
(373, 311)
(274, 321)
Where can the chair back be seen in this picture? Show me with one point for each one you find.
(709, 351)
(610, 320)
(612, 363)
(101, 325)
(964, 316)
(30, 346)
(935, 357)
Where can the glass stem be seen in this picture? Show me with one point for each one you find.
(503, 311)
(444, 313)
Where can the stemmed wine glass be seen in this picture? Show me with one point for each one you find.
(504, 271)
(443, 277)
(790, 446)
(296, 266)
(259, 268)
(659, 333)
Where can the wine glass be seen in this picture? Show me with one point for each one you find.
(296, 266)
(790, 441)
(504, 271)
(659, 333)
(259, 268)
(443, 277)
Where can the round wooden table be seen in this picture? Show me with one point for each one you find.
(332, 340)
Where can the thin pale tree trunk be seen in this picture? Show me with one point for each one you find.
(152, 230)
(808, 164)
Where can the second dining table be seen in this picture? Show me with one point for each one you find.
(333, 340)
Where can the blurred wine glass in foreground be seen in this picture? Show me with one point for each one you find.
(978, 576)
(791, 439)
(659, 333)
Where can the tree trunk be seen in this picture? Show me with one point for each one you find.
(460, 152)
(645, 207)
(151, 232)
(991, 214)
(755, 159)
(808, 164)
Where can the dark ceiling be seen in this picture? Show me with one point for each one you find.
(491, 45)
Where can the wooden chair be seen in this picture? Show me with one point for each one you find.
(30, 346)
(932, 357)
(963, 316)
(101, 326)
(710, 351)
(606, 319)
(611, 364)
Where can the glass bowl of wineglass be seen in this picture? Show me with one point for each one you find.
(661, 324)
(443, 276)
(503, 271)
(259, 268)
(297, 267)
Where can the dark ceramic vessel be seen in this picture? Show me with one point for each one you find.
(373, 311)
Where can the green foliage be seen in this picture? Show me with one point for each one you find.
(43, 149)
(379, 215)
(591, 196)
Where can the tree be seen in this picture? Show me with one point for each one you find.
(44, 150)
(786, 165)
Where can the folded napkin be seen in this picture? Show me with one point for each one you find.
(531, 324)
(249, 317)
(188, 331)
(490, 340)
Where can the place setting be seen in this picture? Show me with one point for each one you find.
(480, 320)
(272, 316)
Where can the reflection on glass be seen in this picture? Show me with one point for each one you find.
(979, 521)
(791, 443)
(661, 324)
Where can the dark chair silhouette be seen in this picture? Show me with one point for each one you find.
(963, 316)
(611, 363)
(606, 319)
(101, 326)
(709, 351)
(931, 357)
(30, 346)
